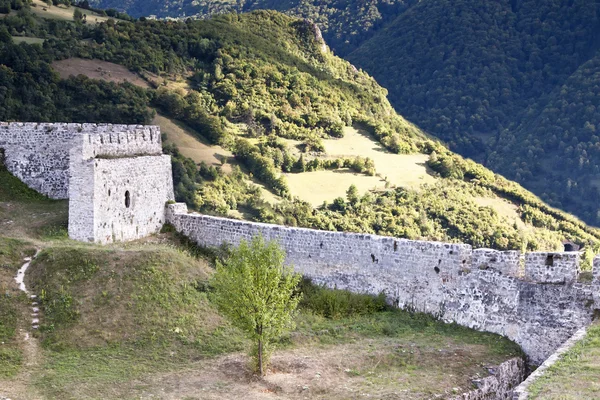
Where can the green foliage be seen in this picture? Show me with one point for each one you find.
(528, 114)
(335, 304)
(257, 293)
(345, 24)
(260, 166)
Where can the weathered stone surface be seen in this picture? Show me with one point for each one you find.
(498, 386)
(96, 167)
(480, 289)
(121, 197)
(38, 153)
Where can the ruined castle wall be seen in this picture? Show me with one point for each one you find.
(551, 268)
(357, 262)
(38, 153)
(499, 385)
(81, 194)
(130, 196)
(113, 141)
(481, 289)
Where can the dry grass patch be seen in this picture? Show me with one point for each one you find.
(403, 170)
(175, 83)
(318, 186)
(190, 145)
(62, 12)
(28, 40)
(504, 208)
(382, 368)
(97, 69)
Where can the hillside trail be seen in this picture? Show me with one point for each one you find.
(19, 387)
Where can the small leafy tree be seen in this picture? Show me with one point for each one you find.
(257, 293)
(77, 15)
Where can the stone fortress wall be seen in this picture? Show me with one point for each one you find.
(115, 176)
(118, 182)
(38, 153)
(535, 300)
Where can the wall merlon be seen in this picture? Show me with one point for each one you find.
(552, 268)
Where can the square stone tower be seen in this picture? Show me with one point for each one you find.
(119, 182)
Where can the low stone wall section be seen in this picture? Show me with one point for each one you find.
(521, 392)
(500, 384)
(480, 289)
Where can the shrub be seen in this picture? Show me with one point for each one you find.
(334, 303)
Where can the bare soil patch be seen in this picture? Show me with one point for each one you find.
(97, 69)
(189, 145)
(372, 368)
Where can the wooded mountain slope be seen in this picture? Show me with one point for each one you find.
(510, 83)
(251, 83)
(345, 23)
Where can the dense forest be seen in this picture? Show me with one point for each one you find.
(510, 83)
(253, 80)
(345, 23)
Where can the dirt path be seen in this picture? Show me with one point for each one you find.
(19, 387)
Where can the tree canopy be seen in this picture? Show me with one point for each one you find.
(258, 294)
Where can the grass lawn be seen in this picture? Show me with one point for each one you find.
(28, 40)
(576, 375)
(136, 320)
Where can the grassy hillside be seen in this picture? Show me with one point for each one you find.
(136, 320)
(262, 87)
(510, 83)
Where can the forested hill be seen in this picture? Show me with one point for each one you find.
(513, 84)
(510, 83)
(264, 87)
(345, 23)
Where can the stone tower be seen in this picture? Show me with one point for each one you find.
(119, 182)
(115, 176)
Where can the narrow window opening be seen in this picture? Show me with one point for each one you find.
(2, 159)
(127, 199)
(108, 192)
(549, 261)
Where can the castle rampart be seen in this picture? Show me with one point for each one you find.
(38, 153)
(118, 182)
(539, 308)
(115, 176)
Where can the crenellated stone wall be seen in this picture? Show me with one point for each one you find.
(539, 308)
(38, 153)
(115, 176)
